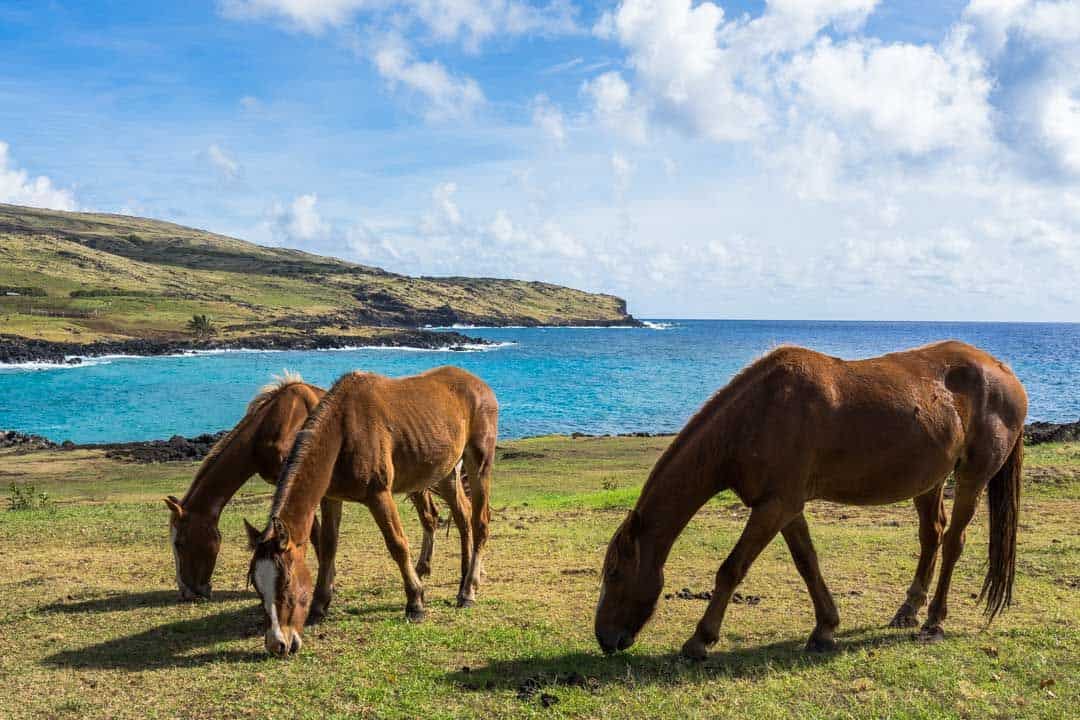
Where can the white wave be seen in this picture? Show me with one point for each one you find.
(657, 324)
(36, 365)
(463, 347)
(530, 327)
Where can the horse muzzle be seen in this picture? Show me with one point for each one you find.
(612, 641)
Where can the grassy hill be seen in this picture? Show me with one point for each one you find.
(82, 277)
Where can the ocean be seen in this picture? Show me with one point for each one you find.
(548, 380)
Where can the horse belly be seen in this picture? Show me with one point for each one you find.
(882, 467)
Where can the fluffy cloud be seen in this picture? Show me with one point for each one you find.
(18, 188)
(298, 223)
(447, 96)
(615, 107)
(911, 99)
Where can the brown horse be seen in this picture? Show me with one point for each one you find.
(258, 444)
(369, 438)
(797, 426)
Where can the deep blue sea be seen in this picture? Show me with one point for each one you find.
(548, 380)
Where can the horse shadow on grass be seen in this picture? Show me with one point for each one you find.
(594, 671)
(133, 601)
(172, 645)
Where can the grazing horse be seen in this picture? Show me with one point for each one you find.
(259, 444)
(371, 437)
(797, 425)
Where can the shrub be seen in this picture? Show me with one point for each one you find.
(26, 497)
(201, 326)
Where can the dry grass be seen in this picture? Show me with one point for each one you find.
(90, 626)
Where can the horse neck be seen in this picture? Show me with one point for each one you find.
(221, 476)
(307, 477)
(675, 492)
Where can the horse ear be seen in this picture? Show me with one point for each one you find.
(281, 533)
(252, 533)
(174, 506)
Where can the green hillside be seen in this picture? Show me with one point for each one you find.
(82, 277)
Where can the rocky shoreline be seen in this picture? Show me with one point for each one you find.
(15, 349)
(179, 448)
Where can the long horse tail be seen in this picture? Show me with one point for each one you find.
(1004, 504)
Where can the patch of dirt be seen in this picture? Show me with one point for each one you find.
(521, 455)
(1050, 475)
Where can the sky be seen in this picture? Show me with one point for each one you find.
(797, 159)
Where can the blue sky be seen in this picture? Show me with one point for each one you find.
(847, 159)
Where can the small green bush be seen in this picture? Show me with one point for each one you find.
(26, 497)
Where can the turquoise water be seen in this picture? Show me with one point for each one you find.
(553, 380)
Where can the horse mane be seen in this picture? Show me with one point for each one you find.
(270, 389)
(302, 445)
(708, 410)
(266, 394)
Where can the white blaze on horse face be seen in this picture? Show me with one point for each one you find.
(266, 573)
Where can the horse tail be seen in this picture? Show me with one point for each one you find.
(1004, 504)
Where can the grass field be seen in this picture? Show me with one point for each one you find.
(90, 625)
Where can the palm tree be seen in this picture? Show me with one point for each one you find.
(201, 326)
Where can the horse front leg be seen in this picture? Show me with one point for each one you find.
(931, 509)
(386, 517)
(765, 521)
(326, 549)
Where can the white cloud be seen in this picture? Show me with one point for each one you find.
(18, 188)
(469, 22)
(473, 21)
(223, 162)
(313, 16)
(1061, 125)
(614, 106)
(447, 96)
(549, 119)
(298, 223)
(913, 99)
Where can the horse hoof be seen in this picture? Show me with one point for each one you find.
(465, 602)
(694, 649)
(821, 645)
(415, 615)
(315, 616)
(930, 635)
(423, 570)
(904, 619)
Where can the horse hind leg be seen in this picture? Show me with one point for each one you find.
(453, 492)
(428, 513)
(972, 477)
(931, 509)
(479, 457)
(797, 536)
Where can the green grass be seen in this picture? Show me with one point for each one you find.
(89, 624)
(146, 278)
